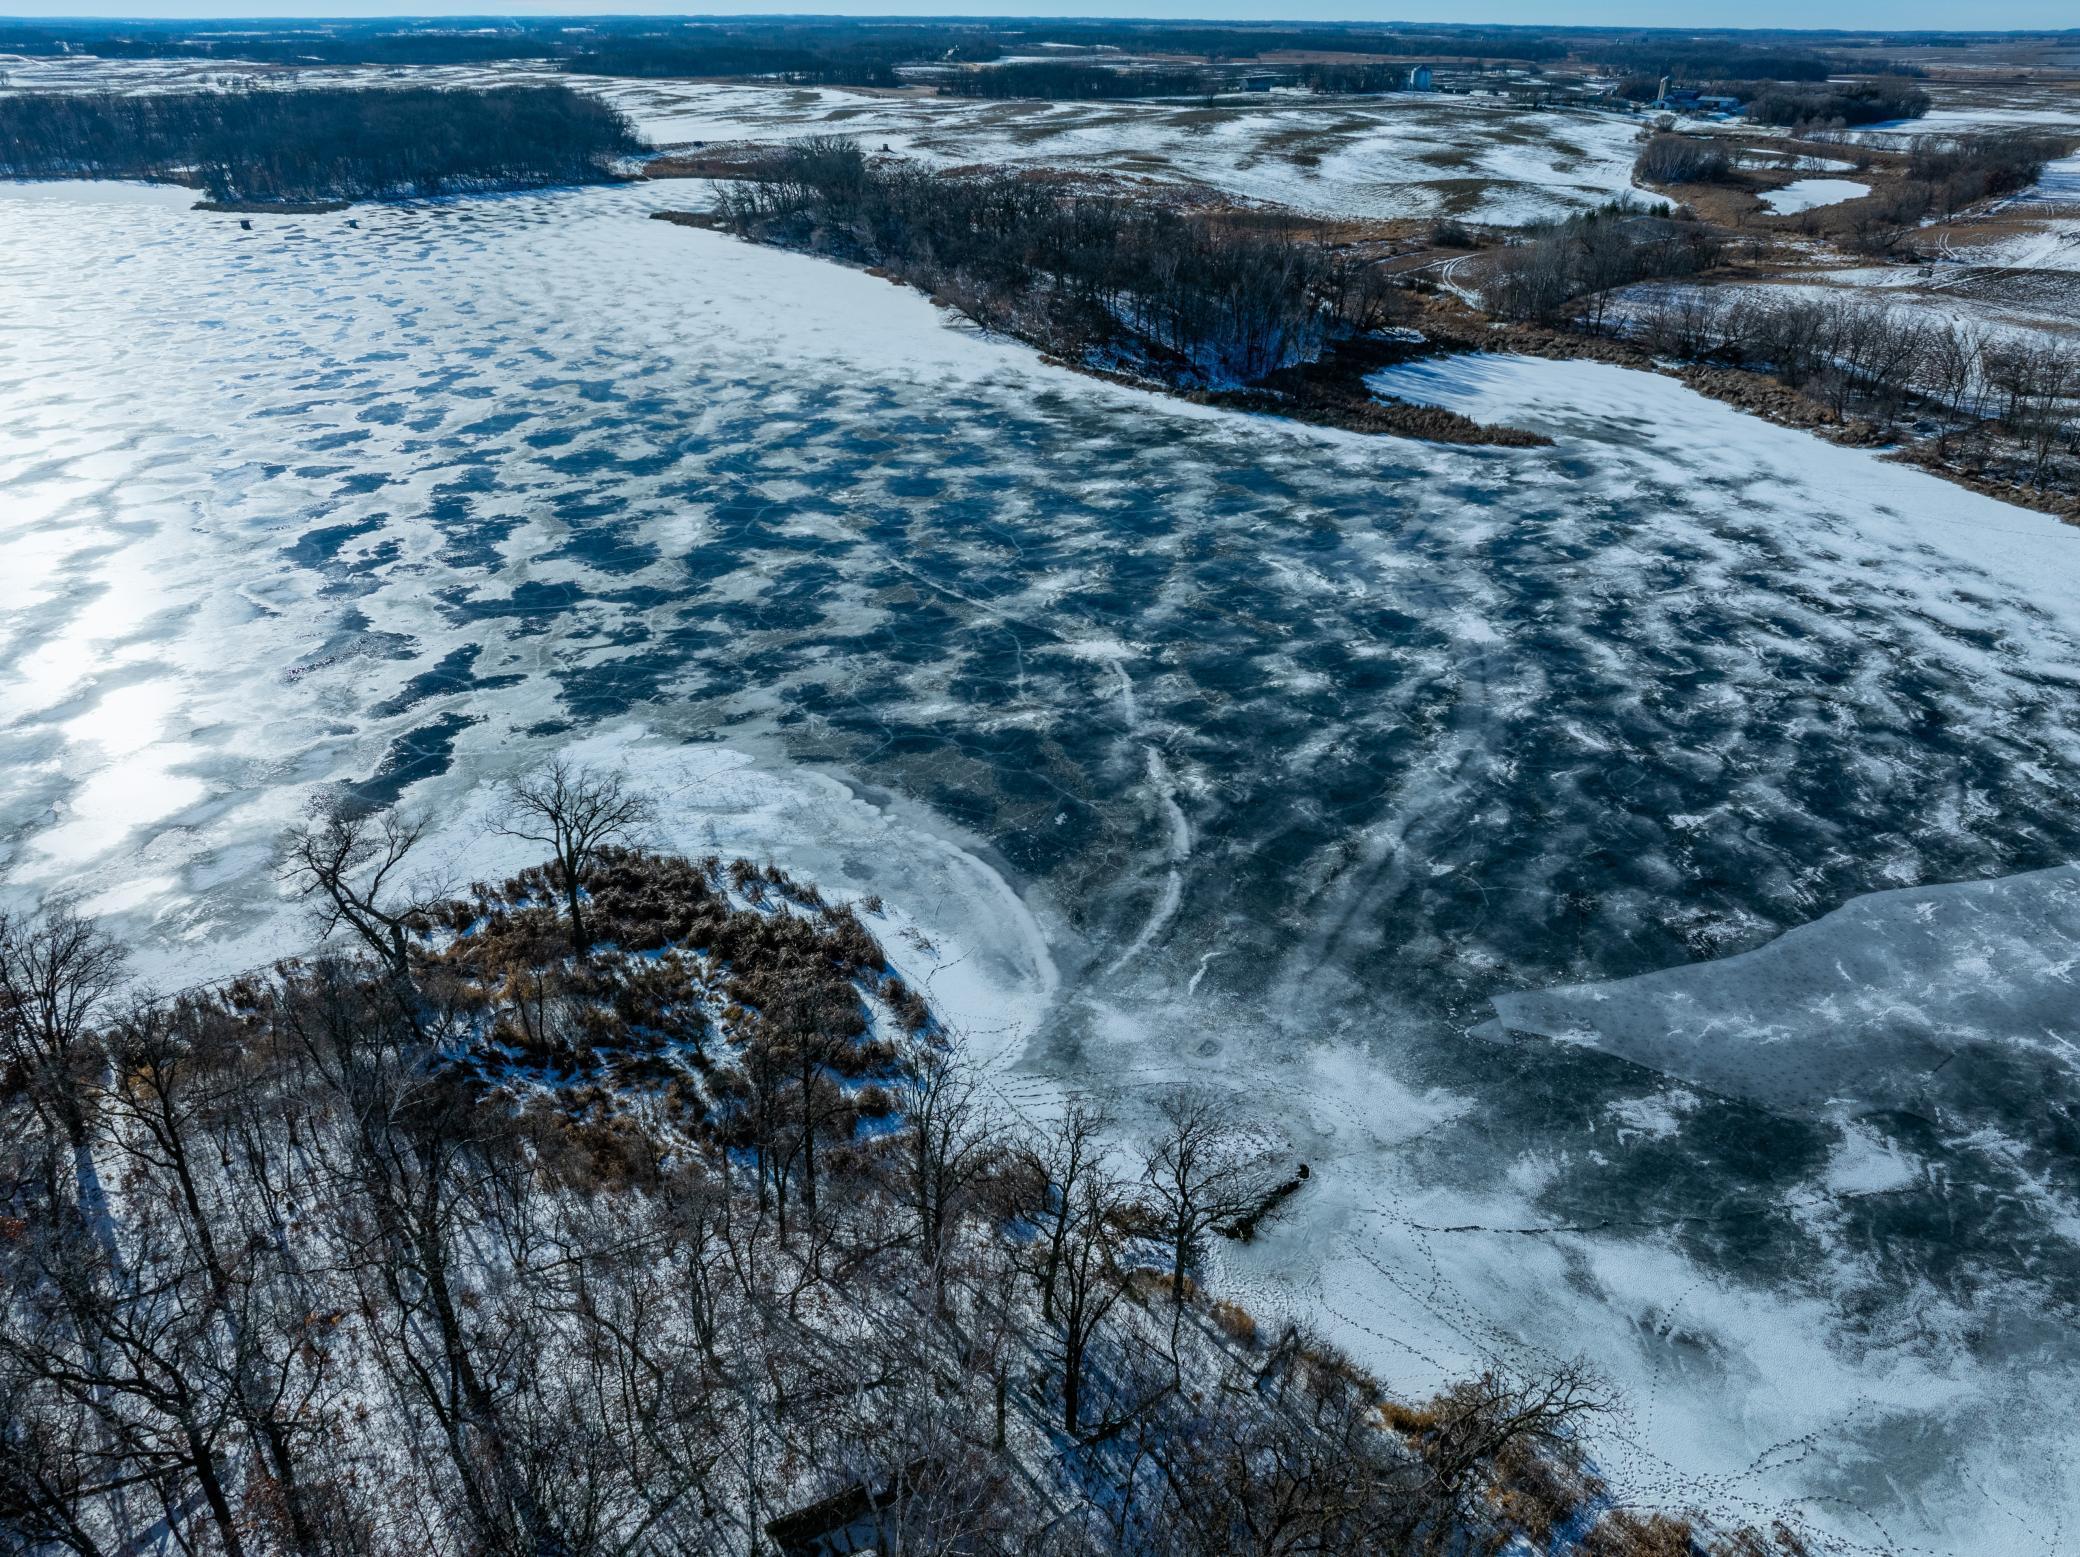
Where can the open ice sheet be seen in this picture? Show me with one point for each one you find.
(1891, 1001)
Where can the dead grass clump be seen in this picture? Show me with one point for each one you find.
(1330, 1370)
(1625, 1534)
(1145, 1283)
(1410, 1420)
(849, 942)
(632, 1020)
(615, 1154)
(1782, 1541)
(1237, 1323)
(872, 1102)
(908, 1005)
(799, 995)
(1542, 1493)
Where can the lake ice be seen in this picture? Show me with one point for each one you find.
(1194, 743)
(1808, 194)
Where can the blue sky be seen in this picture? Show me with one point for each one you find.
(1891, 15)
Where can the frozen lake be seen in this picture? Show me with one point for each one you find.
(1196, 744)
(1809, 194)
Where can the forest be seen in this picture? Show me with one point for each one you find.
(2000, 405)
(636, 1204)
(1185, 298)
(320, 144)
(1077, 81)
(1834, 104)
(1573, 266)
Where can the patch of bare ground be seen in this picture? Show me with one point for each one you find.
(1930, 455)
(273, 207)
(703, 219)
(721, 159)
(1735, 201)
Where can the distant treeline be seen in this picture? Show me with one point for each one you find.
(1837, 104)
(315, 43)
(871, 53)
(1353, 79)
(326, 144)
(823, 54)
(1074, 81)
(1191, 300)
(1253, 42)
(1815, 105)
(1653, 59)
(835, 50)
(853, 67)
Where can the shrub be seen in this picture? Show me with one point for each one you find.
(1237, 1323)
(1682, 159)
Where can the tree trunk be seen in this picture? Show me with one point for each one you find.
(580, 941)
(213, 1490)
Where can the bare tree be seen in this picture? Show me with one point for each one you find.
(1283, 1461)
(1204, 1169)
(1953, 362)
(1482, 1423)
(350, 863)
(573, 811)
(1057, 1166)
(1089, 1278)
(951, 1145)
(413, 1165)
(48, 1449)
(57, 975)
(160, 1087)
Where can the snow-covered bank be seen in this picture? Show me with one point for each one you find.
(952, 925)
(86, 191)
(1654, 426)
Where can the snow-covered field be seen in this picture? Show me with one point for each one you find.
(2008, 270)
(1958, 117)
(1191, 743)
(1402, 155)
(2049, 212)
